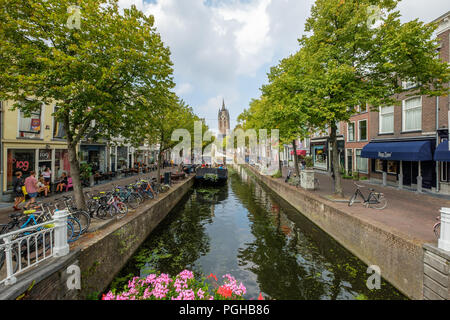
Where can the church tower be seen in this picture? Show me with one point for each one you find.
(224, 120)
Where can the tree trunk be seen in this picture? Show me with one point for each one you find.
(75, 175)
(337, 179)
(297, 170)
(158, 171)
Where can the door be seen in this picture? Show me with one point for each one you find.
(349, 161)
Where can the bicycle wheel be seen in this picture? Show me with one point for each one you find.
(352, 199)
(437, 230)
(76, 229)
(377, 202)
(84, 218)
(121, 210)
(133, 201)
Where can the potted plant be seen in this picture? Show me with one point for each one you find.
(86, 174)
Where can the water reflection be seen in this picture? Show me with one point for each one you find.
(245, 230)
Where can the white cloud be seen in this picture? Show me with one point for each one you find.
(184, 88)
(214, 48)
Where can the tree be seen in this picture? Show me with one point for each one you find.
(345, 62)
(94, 72)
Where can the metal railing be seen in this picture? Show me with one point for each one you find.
(25, 248)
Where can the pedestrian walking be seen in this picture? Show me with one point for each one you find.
(32, 189)
(18, 183)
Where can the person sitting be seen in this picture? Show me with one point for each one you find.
(42, 186)
(62, 183)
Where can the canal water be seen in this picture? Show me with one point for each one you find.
(245, 230)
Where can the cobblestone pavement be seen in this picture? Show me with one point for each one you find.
(5, 211)
(410, 213)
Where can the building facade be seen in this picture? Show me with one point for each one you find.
(404, 138)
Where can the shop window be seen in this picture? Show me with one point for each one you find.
(320, 157)
(19, 160)
(392, 167)
(30, 124)
(412, 114)
(62, 163)
(362, 164)
(351, 131)
(386, 119)
(378, 167)
(362, 130)
(445, 172)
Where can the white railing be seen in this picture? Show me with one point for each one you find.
(25, 248)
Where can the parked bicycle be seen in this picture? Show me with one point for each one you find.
(374, 200)
(437, 228)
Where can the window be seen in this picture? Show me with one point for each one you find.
(387, 120)
(409, 84)
(351, 131)
(30, 125)
(338, 127)
(392, 167)
(378, 165)
(320, 157)
(362, 164)
(363, 108)
(445, 172)
(412, 114)
(362, 130)
(19, 160)
(59, 132)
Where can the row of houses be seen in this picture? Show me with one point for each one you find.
(398, 145)
(36, 142)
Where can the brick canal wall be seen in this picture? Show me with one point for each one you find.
(99, 255)
(400, 259)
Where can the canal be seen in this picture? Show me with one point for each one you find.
(245, 230)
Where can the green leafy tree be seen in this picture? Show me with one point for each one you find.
(346, 61)
(94, 71)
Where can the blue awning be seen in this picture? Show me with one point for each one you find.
(442, 153)
(404, 150)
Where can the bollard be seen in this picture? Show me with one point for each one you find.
(61, 247)
(444, 241)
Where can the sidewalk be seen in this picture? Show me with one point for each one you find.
(5, 211)
(413, 214)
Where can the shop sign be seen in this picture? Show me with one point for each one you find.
(384, 155)
(45, 155)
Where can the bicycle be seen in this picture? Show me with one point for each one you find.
(437, 228)
(374, 200)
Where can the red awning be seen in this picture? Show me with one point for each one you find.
(299, 153)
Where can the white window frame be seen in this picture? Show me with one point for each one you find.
(367, 130)
(41, 118)
(409, 84)
(356, 160)
(380, 114)
(404, 118)
(354, 131)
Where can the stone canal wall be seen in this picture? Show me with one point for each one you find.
(400, 259)
(436, 281)
(99, 255)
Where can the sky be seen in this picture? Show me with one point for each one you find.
(223, 49)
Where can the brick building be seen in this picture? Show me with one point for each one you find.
(404, 138)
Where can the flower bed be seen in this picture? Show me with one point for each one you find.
(182, 287)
